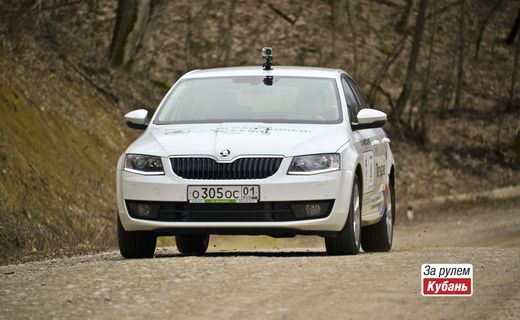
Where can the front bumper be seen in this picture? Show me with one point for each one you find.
(335, 185)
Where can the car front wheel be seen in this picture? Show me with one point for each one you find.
(192, 244)
(135, 244)
(347, 241)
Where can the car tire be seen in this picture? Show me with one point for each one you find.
(379, 237)
(347, 241)
(192, 244)
(135, 244)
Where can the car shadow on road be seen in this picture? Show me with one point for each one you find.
(270, 254)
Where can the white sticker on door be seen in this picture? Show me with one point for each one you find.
(368, 182)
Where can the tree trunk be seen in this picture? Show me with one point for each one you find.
(406, 92)
(514, 30)
(509, 106)
(131, 22)
(460, 56)
(425, 90)
(513, 79)
(333, 26)
(188, 41)
(354, 38)
(228, 44)
(402, 25)
(484, 24)
(419, 123)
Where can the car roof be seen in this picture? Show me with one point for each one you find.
(258, 71)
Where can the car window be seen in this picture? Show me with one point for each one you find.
(252, 99)
(361, 97)
(352, 103)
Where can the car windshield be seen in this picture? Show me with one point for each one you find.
(252, 99)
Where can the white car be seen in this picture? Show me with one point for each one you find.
(247, 151)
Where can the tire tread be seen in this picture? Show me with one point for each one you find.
(192, 244)
(343, 243)
(135, 244)
(374, 238)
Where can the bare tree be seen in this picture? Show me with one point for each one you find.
(381, 73)
(513, 78)
(188, 40)
(229, 34)
(425, 90)
(483, 25)
(402, 25)
(351, 26)
(509, 106)
(419, 123)
(460, 56)
(333, 4)
(131, 22)
(514, 29)
(406, 91)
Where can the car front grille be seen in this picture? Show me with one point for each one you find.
(240, 169)
(227, 212)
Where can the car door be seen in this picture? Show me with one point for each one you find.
(363, 140)
(377, 180)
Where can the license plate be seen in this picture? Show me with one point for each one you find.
(223, 194)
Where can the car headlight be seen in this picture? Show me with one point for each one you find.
(315, 163)
(143, 164)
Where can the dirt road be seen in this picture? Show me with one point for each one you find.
(285, 283)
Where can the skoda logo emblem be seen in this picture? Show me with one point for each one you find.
(224, 153)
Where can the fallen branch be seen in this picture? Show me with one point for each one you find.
(387, 3)
(444, 9)
(282, 14)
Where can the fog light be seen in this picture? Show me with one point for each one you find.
(310, 209)
(142, 210)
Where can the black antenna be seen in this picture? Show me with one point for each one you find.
(267, 53)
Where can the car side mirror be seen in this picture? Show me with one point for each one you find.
(137, 119)
(369, 118)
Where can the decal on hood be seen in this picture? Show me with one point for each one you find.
(257, 129)
(176, 131)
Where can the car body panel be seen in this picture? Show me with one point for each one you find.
(240, 139)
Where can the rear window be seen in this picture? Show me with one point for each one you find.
(252, 99)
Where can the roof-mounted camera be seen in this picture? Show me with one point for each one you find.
(267, 54)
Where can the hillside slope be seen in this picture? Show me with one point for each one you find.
(58, 149)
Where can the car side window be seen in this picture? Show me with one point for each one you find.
(361, 97)
(352, 104)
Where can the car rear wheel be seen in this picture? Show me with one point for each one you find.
(135, 244)
(192, 244)
(347, 241)
(379, 237)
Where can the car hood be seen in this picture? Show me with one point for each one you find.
(240, 139)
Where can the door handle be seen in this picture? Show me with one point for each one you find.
(385, 140)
